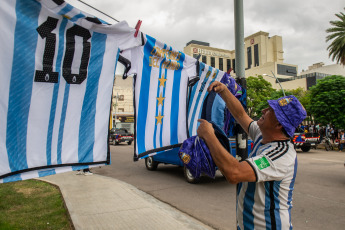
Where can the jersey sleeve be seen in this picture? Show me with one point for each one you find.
(254, 130)
(273, 163)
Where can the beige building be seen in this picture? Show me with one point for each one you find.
(263, 54)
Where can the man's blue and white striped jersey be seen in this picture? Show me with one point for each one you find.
(267, 203)
(162, 76)
(57, 72)
(198, 93)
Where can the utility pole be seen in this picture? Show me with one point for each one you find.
(241, 136)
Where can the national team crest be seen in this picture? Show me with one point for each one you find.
(185, 157)
(285, 101)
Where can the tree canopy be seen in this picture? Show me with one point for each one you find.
(258, 90)
(327, 101)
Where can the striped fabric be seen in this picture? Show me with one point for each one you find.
(162, 76)
(198, 93)
(267, 203)
(58, 66)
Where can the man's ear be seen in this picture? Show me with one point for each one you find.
(279, 126)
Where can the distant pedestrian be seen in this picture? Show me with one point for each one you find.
(341, 141)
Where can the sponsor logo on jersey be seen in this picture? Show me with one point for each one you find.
(262, 163)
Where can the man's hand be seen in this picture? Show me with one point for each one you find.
(205, 129)
(217, 87)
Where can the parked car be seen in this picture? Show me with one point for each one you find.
(117, 136)
(171, 157)
(305, 141)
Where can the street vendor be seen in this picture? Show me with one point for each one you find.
(266, 178)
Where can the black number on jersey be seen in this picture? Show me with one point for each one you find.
(47, 74)
(70, 77)
(45, 31)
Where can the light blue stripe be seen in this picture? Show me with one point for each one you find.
(292, 184)
(267, 205)
(157, 112)
(80, 167)
(88, 112)
(205, 89)
(256, 146)
(201, 67)
(144, 95)
(55, 91)
(46, 173)
(248, 217)
(76, 17)
(198, 102)
(175, 102)
(276, 189)
(62, 123)
(66, 9)
(12, 178)
(192, 94)
(23, 69)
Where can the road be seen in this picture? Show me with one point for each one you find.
(319, 197)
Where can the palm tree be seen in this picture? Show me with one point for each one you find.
(337, 34)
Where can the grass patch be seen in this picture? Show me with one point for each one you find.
(32, 204)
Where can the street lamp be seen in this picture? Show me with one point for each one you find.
(276, 79)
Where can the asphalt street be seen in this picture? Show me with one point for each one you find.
(319, 200)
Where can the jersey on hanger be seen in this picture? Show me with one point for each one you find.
(162, 76)
(198, 93)
(57, 70)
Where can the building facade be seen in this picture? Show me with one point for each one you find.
(122, 109)
(263, 55)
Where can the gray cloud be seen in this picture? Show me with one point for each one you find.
(301, 24)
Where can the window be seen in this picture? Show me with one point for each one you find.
(221, 64)
(256, 55)
(213, 62)
(121, 97)
(204, 59)
(228, 64)
(233, 65)
(286, 70)
(121, 110)
(249, 57)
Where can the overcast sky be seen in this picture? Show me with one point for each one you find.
(301, 24)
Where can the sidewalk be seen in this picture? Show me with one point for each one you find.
(99, 202)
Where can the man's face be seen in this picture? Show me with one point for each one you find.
(268, 119)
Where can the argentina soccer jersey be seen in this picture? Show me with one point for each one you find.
(58, 67)
(160, 88)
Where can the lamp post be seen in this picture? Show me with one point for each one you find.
(241, 135)
(276, 80)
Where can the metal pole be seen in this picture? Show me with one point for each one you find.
(241, 136)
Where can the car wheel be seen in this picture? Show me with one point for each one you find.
(116, 143)
(151, 164)
(305, 148)
(129, 143)
(189, 177)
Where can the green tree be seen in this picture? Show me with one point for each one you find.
(258, 90)
(327, 101)
(299, 93)
(337, 34)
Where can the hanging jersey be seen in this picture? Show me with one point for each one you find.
(58, 66)
(198, 94)
(160, 88)
(267, 203)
